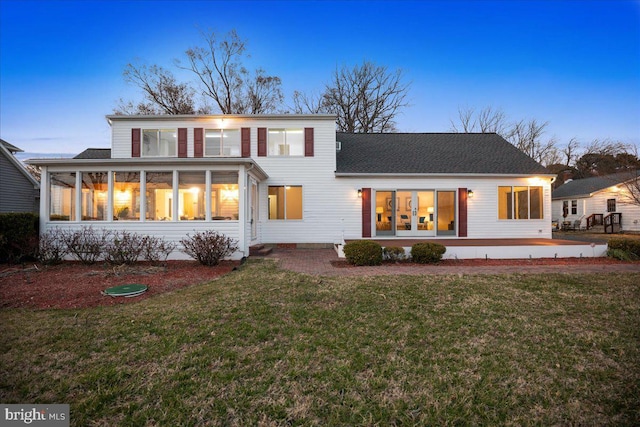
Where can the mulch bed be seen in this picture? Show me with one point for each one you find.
(75, 285)
(493, 262)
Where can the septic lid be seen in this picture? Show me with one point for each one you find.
(130, 290)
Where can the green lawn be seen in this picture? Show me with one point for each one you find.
(263, 346)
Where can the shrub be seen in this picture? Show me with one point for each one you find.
(209, 247)
(124, 247)
(156, 249)
(18, 236)
(363, 252)
(52, 249)
(394, 253)
(427, 253)
(87, 244)
(620, 254)
(631, 246)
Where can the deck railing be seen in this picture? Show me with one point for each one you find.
(613, 222)
(594, 219)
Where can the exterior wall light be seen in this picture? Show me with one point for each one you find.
(360, 193)
(470, 194)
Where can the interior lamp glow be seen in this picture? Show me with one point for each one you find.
(228, 194)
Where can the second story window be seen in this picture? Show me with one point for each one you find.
(222, 142)
(286, 142)
(159, 142)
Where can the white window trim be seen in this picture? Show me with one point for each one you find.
(158, 130)
(286, 144)
(285, 203)
(513, 218)
(221, 154)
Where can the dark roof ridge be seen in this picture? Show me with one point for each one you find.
(418, 133)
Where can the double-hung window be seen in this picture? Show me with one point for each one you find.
(520, 202)
(611, 205)
(286, 142)
(222, 142)
(159, 143)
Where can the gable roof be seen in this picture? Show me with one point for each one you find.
(432, 153)
(12, 148)
(9, 154)
(94, 153)
(587, 186)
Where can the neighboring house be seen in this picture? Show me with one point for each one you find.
(19, 190)
(594, 202)
(291, 179)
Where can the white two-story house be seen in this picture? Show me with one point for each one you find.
(291, 179)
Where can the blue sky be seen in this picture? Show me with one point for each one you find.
(575, 64)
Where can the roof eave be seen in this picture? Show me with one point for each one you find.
(440, 175)
(19, 166)
(197, 117)
(145, 162)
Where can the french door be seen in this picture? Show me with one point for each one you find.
(415, 213)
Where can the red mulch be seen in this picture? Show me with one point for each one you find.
(75, 285)
(493, 262)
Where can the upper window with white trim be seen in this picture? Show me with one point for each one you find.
(159, 143)
(222, 142)
(286, 142)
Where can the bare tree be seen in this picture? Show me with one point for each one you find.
(365, 99)
(263, 95)
(162, 93)
(631, 188)
(218, 68)
(488, 120)
(570, 151)
(525, 135)
(308, 103)
(222, 81)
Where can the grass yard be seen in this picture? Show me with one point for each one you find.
(263, 346)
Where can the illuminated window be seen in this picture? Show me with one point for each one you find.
(222, 142)
(62, 193)
(285, 202)
(159, 195)
(286, 142)
(94, 196)
(191, 193)
(159, 143)
(224, 195)
(520, 203)
(126, 196)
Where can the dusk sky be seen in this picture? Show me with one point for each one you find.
(575, 64)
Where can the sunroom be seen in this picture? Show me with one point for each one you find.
(152, 196)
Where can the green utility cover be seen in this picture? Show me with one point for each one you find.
(132, 290)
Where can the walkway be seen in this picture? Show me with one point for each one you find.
(318, 262)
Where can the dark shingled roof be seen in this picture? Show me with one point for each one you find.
(584, 187)
(432, 153)
(95, 153)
